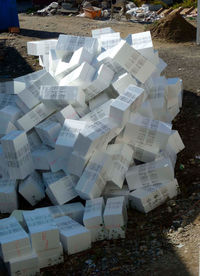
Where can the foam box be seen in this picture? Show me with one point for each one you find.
(93, 179)
(14, 241)
(35, 116)
(68, 136)
(149, 174)
(7, 87)
(175, 142)
(131, 99)
(8, 195)
(121, 155)
(17, 154)
(6, 127)
(74, 237)
(82, 110)
(147, 199)
(100, 82)
(61, 191)
(42, 229)
(109, 40)
(79, 56)
(32, 188)
(141, 130)
(68, 44)
(94, 136)
(73, 210)
(115, 217)
(93, 219)
(67, 113)
(98, 32)
(24, 265)
(48, 132)
(60, 96)
(99, 100)
(41, 158)
(122, 81)
(81, 76)
(50, 257)
(76, 164)
(10, 113)
(111, 190)
(7, 100)
(51, 177)
(41, 47)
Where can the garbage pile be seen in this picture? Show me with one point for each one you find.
(51, 9)
(94, 126)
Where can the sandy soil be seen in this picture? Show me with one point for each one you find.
(166, 241)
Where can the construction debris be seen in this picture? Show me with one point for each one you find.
(97, 114)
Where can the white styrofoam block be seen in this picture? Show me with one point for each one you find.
(74, 237)
(7, 87)
(8, 195)
(34, 117)
(17, 154)
(14, 241)
(60, 96)
(98, 32)
(98, 113)
(142, 130)
(24, 265)
(73, 210)
(122, 81)
(62, 190)
(109, 40)
(6, 99)
(42, 229)
(147, 199)
(132, 61)
(94, 136)
(18, 214)
(130, 100)
(115, 217)
(140, 41)
(40, 158)
(50, 257)
(53, 61)
(121, 155)
(68, 44)
(76, 164)
(48, 132)
(67, 113)
(149, 174)
(4, 173)
(55, 161)
(81, 76)
(173, 89)
(93, 179)
(51, 177)
(145, 153)
(82, 110)
(32, 188)
(100, 82)
(30, 96)
(68, 136)
(10, 113)
(34, 140)
(6, 127)
(176, 142)
(25, 81)
(112, 190)
(93, 219)
(41, 47)
(146, 109)
(99, 100)
(161, 66)
(79, 56)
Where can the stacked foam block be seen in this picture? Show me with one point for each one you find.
(94, 126)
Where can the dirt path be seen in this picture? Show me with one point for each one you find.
(166, 241)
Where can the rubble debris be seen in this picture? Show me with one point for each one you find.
(175, 28)
(97, 115)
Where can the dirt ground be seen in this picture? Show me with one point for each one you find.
(166, 241)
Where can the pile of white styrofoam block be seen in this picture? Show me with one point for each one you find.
(94, 126)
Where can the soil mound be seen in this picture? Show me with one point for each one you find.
(174, 28)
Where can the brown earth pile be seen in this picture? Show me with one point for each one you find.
(174, 28)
